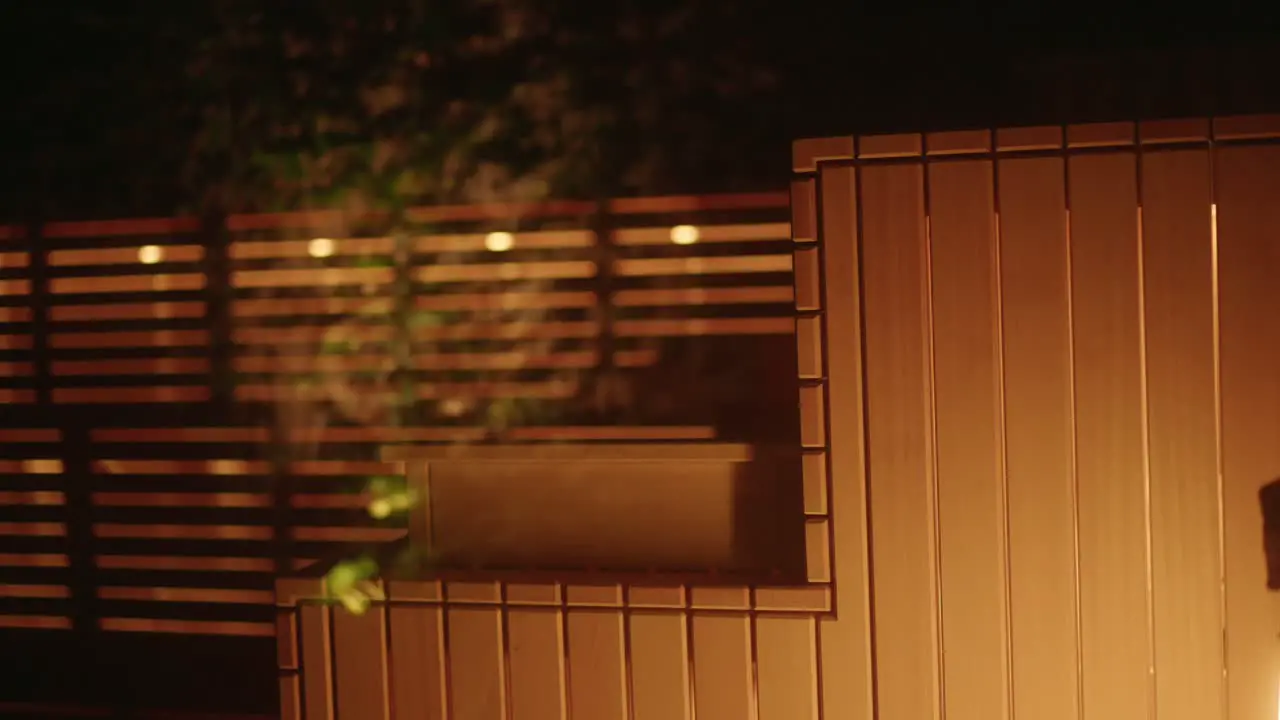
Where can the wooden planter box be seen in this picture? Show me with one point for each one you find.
(596, 577)
(636, 508)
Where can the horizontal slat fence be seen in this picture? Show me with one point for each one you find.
(183, 414)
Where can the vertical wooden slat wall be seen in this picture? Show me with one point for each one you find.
(1040, 393)
(1248, 299)
(1071, 401)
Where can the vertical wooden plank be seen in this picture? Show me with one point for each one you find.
(1111, 467)
(845, 654)
(659, 666)
(290, 697)
(786, 668)
(1038, 438)
(722, 688)
(1249, 303)
(287, 638)
(477, 678)
(317, 673)
(971, 498)
(597, 665)
(418, 662)
(1178, 281)
(900, 441)
(536, 645)
(360, 665)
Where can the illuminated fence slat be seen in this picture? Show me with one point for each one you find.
(125, 255)
(505, 301)
(704, 296)
(289, 307)
(506, 272)
(479, 242)
(14, 287)
(308, 278)
(271, 249)
(727, 265)
(777, 232)
(127, 284)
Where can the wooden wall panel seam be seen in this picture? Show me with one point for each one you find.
(933, 499)
(845, 640)
(1145, 417)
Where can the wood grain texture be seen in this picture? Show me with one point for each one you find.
(360, 665)
(786, 668)
(536, 646)
(900, 442)
(1110, 436)
(722, 667)
(1249, 298)
(290, 697)
(597, 666)
(1178, 280)
(971, 492)
(477, 673)
(1039, 438)
(847, 685)
(660, 666)
(418, 677)
(317, 671)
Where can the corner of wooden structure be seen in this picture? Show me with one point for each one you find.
(292, 590)
(807, 153)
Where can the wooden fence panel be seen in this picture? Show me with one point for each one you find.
(419, 681)
(1039, 438)
(786, 668)
(360, 665)
(17, 343)
(900, 426)
(536, 647)
(314, 626)
(660, 684)
(477, 669)
(597, 666)
(151, 282)
(35, 564)
(846, 639)
(1249, 302)
(1179, 298)
(1110, 427)
(722, 674)
(970, 434)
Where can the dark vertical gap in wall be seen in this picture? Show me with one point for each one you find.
(859, 234)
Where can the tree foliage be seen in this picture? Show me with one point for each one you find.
(262, 105)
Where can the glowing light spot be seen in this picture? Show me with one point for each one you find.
(499, 241)
(320, 247)
(453, 407)
(684, 234)
(380, 508)
(150, 254)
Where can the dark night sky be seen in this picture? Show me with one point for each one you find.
(844, 68)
